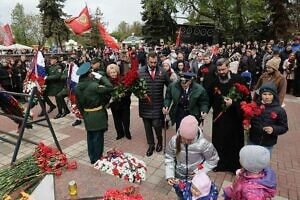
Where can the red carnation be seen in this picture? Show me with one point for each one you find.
(115, 171)
(204, 70)
(246, 122)
(200, 166)
(181, 185)
(273, 115)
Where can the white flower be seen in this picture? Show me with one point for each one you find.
(129, 167)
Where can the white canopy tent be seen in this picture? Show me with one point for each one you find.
(15, 47)
(70, 45)
(3, 47)
(133, 40)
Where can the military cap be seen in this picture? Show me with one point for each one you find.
(95, 60)
(71, 58)
(84, 68)
(186, 76)
(54, 57)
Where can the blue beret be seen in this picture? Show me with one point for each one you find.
(84, 68)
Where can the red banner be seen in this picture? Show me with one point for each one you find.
(178, 38)
(81, 24)
(109, 41)
(6, 36)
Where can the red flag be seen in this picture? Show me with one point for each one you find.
(109, 41)
(178, 38)
(6, 35)
(81, 24)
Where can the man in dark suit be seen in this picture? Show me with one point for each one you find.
(151, 112)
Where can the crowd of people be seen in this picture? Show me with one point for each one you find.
(183, 84)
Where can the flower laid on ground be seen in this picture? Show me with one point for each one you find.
(131, 82)
(43, 161)
(122, 165)
(237, 92)
(128, 193)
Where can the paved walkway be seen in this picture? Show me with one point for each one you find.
(285, 159)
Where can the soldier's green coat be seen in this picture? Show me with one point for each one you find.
(90, 94)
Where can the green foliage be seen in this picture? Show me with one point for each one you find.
(124, 30)
(18, 26)
(158, 21)
(52, 20)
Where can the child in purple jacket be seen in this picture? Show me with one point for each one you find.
(256, 180)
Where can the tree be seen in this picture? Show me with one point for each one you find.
(52, 20)
(280, 19)
(18, 24)
(34, 30)
(233, 19)
(158, 21)
(124, 30)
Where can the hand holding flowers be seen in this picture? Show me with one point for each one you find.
(236, 93)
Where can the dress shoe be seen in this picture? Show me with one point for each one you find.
(150, 150)
(119, 137)
(128, 136)
(159, 147)
(58, 116)
(64, 114)
(51, 109)
(41, 114)
(29, 126)
(77, 122)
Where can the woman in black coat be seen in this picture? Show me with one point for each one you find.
(120, 108)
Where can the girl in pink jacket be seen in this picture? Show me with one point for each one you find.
(255, 181)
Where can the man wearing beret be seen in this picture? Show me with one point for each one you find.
(89, 91)
(187, 98)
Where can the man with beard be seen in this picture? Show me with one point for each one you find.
(151, 111)
(227, 128)
(272, 75)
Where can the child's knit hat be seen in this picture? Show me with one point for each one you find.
(202, 183)
(254, 158)
(268, 87)
(188, 127)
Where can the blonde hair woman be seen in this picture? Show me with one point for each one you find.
(121, 108)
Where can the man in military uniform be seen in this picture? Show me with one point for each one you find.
(98, 67)
(187, 98)
(53, 83)
(60, 97)
(90, 90)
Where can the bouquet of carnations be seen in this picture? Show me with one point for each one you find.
(250, 110)
(128, 193)
(43, 161)
(122, 165)
(237, 92)
(131, 82)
